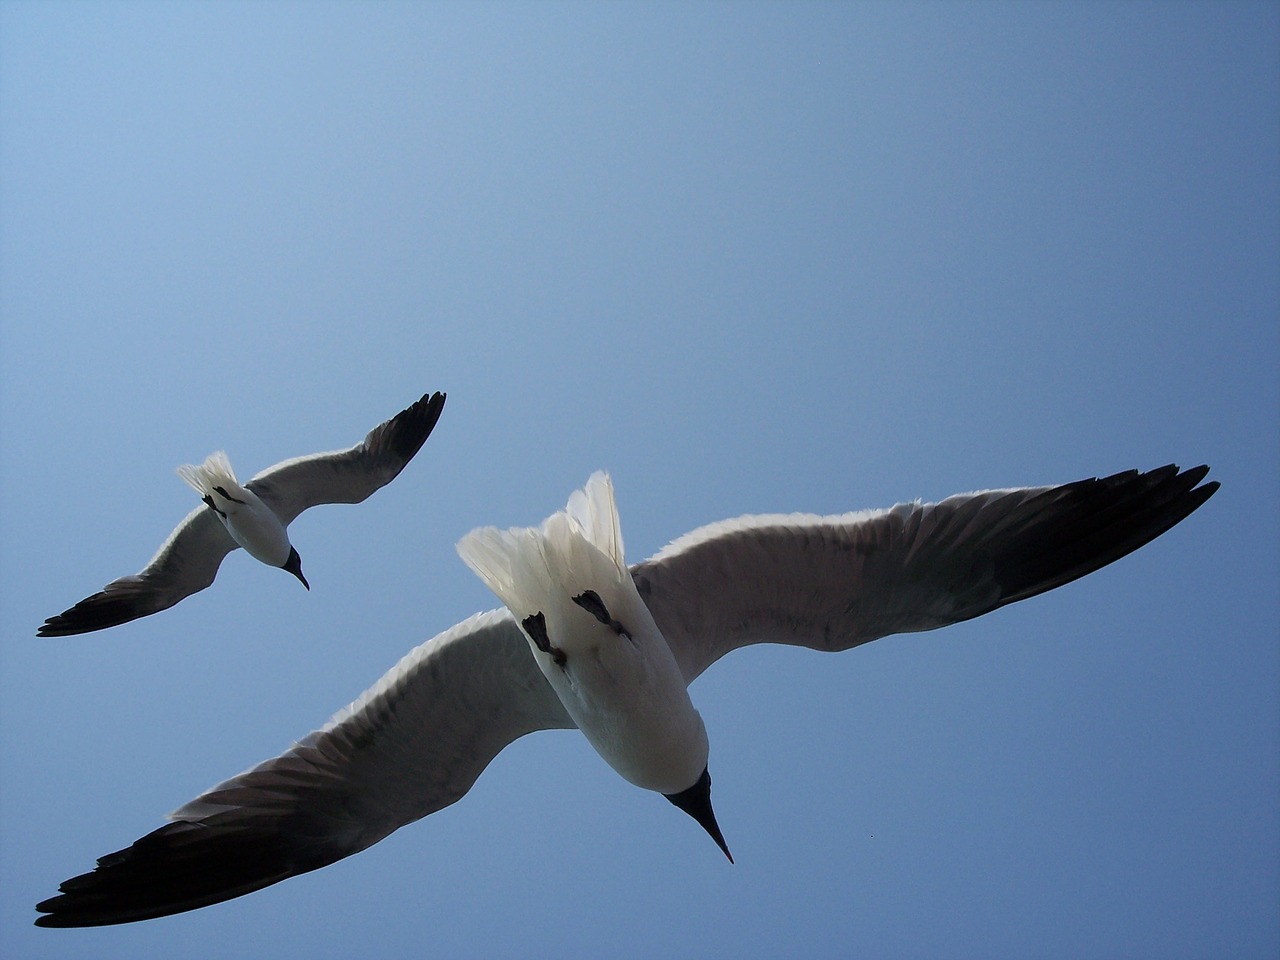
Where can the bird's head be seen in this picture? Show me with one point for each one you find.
(696, 802)
(294, 566)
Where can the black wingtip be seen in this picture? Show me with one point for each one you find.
(408, 430)
(71, 622)
(181, 866)
(106, 608)
(1091, 523)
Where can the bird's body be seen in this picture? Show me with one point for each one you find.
(251, 523)
(596, 643)
(254, 515)
(417, 740)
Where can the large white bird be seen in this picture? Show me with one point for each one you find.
(610, 649)
(253, 516)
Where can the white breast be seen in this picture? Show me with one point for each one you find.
(253, 526)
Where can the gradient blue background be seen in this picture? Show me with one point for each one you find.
(749, 258)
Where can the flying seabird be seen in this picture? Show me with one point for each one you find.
(585, 641)
(253, 516)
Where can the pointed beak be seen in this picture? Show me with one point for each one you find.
(696, 802)
(294, 566)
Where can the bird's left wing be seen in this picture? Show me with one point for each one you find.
(413, 743)
(186, 563)
(831, 583)
(351, 475)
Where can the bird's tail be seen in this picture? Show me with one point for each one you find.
(539, 569)
(214, 472)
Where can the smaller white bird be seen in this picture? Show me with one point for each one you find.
(254, 516)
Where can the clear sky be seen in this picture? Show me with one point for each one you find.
(748, 258)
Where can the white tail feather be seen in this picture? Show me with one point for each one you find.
(512, 563)
(572, 550)
(595, 512)
(214, 472)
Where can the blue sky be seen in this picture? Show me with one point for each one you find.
(749, 258)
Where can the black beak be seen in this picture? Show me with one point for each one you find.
(294, 566)
(696, 802)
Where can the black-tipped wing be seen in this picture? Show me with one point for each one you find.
(351, 475)
(413, 743)
(831, 583)
(186, 563)
(189, 560)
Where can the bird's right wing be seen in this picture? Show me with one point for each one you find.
(831, 583)
(186, 563)
(350, 475)
(413, 743)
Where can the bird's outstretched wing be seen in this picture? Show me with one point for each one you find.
(351, 475)
(831, 583)
(413, 743)
(186, 563)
